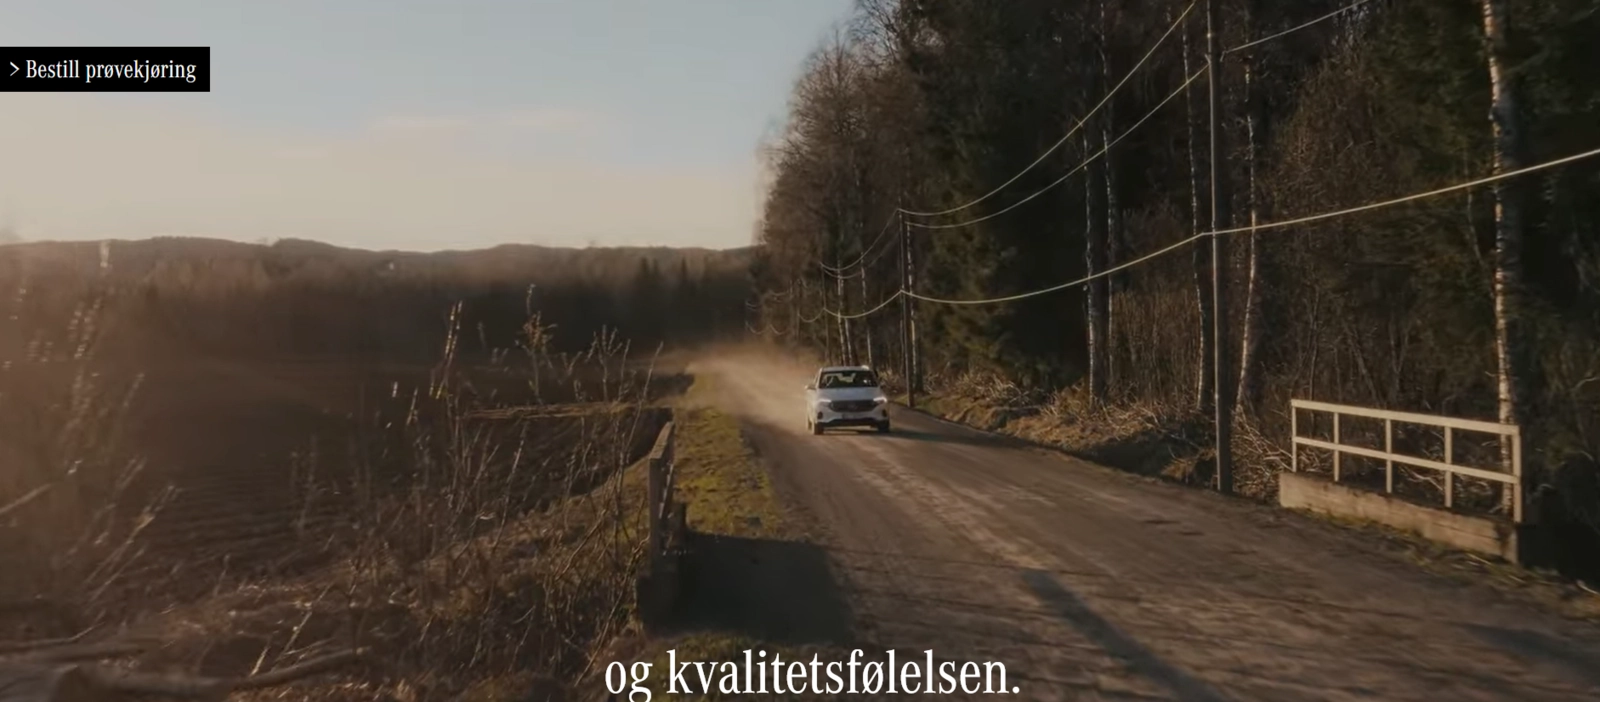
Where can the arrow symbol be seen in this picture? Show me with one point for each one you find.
(14, 68)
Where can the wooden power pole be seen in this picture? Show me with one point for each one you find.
(907, 336)
(1221, 386)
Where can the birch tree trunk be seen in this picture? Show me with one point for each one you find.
(1202, 258)
(1248, 393)
(1514, 363)
(1113, 240)
(1094, 259)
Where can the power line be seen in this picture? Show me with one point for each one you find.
(1270, 225)
(881, 253)
(880, 306)
(839, 271)
(863, 272)
(1410, 198)
(1292, 30)
(1072, 172)
(1180, 244)
(1074, 130)
(1070, 284)
(1096, 109)
(829, 271)
(769, 330)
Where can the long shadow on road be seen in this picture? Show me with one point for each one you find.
(1562, 657)
(932, 437)
(966, 439)
(1106, 635)
(780, 591)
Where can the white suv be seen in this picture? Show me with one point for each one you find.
(846, 396)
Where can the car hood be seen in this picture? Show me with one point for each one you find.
(850, 393)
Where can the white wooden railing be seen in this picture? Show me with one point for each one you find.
(1448, 466)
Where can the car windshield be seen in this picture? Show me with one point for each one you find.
(848, 379)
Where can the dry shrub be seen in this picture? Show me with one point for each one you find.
(476, 539)
(491, 547)
(984, 399)
(71, 508)
(1572, 404)
(1148, 437)
(1257, 461)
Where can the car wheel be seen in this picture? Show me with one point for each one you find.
(883, 427)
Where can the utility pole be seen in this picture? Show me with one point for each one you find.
(847, 337)
(1220, 217)
(907, 337)
(917, 369)
(794, 314)
(827, 325)
(866, 324)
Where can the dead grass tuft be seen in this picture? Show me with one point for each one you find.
(71, 507)
(1149, 438)
(471, 541)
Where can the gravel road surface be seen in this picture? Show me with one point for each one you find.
(1091, 584)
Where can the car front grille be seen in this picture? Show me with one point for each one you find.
(853, 405)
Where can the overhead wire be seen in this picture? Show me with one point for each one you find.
(1297, 28)
(1411, 198)
(1103, 101)
(859, 315)
(852, 276)
(1074, 171)
(862, 271)
(829, 271)
(859, 272)
(1174, 246)
(839, 270)
(1081, 121)
(768, 331)
(881, 253)
(1270, 225)
(1070, 284)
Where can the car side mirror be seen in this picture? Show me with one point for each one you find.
(811, 386)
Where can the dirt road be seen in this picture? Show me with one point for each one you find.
(1092, 584)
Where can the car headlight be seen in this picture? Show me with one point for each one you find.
(880, 400)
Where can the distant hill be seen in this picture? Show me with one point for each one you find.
(135, 259)
(298, 297)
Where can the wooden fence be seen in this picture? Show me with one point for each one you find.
(663, 509)
(1448, 466)
(667, 531)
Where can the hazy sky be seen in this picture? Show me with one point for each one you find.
(412, 124)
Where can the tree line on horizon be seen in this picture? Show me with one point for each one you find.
(930, 104)
(179, 298)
